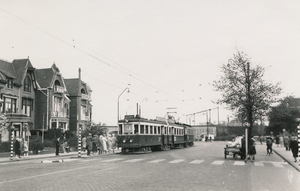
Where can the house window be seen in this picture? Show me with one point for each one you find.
(10, 105)
(27, 106)
(9, 83)
(27, 84)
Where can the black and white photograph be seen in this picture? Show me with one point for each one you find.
(149, 95)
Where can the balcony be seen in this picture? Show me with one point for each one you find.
(85, 97)
(58, 114)
(58, 89)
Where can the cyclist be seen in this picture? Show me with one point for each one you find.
(269, 142)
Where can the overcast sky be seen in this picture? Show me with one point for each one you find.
(166, 51)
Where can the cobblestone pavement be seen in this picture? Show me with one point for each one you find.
(201, 167)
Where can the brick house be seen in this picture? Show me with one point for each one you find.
(52, 102)
(80, 106)
(17, 91)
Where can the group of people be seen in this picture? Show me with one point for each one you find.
(99, 144)
(251, 149)
(20, 146)
(64, 145)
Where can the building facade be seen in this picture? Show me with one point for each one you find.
(17, 91)
(200, 131)
(80, 106)
(52, 102)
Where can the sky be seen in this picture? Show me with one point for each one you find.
(167, 53)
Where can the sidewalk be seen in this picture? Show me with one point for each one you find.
(287, 156)
(50, 155)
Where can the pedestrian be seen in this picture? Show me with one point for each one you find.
(57, 145)
(83, 143)
(94, 141)
(98, 144)
(281, 140)
(277, 140)
(17, 148)
(269, 143)
(104, 141)
(64, 144)
(252, 151)
(243, 148)
(210, 139)
(286, 142)
(114, 142)
(294, 146)
(261, 140)
(89, 144)
(101, 144)
(25, 147)
(109, 143)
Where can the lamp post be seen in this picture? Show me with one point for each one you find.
(118, 101)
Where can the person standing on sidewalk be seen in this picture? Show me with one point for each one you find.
(89, 144)
(83, 143)
(286, 141)
(57, 145)
(269, 142)
(25, 147)
(252, 150)
(17, 148)
(294, 146)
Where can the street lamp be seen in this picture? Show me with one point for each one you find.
(118, 101)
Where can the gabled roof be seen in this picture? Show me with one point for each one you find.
(74, 88)
(21, 67)
(7, 69)
(44, 77)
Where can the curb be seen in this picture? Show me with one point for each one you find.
(290, 163)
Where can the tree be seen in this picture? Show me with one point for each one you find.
(244, 91)
(283, 115)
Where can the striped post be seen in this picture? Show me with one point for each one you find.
(298, 127)
(12, 145)
(79, 141)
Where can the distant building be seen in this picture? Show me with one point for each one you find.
(81, 107)
(17, 90)
(200, 131)
(52, 102)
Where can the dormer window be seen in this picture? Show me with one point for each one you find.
(9, 83)
(82, 91)
(27, 84)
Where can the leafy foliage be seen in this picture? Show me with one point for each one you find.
(283, 115)
(244, 91)
(95, 129)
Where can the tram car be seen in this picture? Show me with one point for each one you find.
(144, 135)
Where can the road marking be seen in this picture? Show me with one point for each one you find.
(88, 160)
(133, 160)
(218, 162)
(156, 161)
(67, 160)
(196, 162)
(112, 160)
(176, 161)
(239, 163)
(258, 164)
(51, 161)
(277, 165)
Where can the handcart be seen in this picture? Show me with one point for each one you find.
(234, 151)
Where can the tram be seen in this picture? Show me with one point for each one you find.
(144, 135)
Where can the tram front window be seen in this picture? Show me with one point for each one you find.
(128, 129)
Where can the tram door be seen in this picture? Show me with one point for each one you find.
(162, 135)
(167, 137)
(185, 134)
(172, 134)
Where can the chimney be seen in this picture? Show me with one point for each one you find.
(79, 73)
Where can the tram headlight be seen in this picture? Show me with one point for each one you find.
(131, 140)
(124, 141)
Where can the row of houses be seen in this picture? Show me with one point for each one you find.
(36, 100)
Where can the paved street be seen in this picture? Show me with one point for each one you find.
(201, 167)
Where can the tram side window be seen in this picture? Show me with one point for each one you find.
(136, 129)
(147, 130)
(170, 131)
(120, 129)
(142, 129)
(151, 129)
(158, 130)
(155, 129)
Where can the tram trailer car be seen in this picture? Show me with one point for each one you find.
(144, 135)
